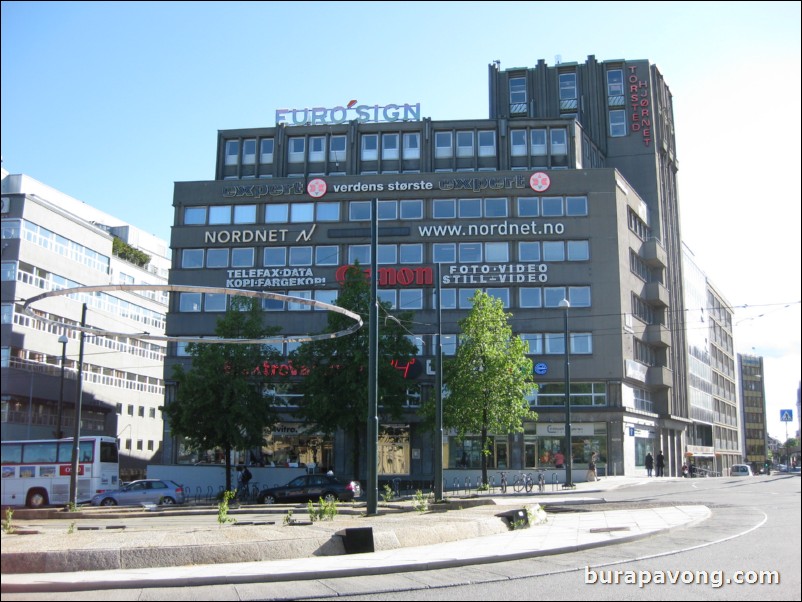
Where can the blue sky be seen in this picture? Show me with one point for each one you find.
(113, 102)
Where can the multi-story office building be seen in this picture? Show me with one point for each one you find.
(53, 241)
(753, 398)
(566, 191)
(714, 443)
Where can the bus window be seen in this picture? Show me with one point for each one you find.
(39, 453)
(12, 453)
(108, 452)
(85, 451)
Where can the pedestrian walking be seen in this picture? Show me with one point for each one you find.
(649, 464)
(592, 468)
(660, 463)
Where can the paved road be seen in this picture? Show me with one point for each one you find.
(327, 576)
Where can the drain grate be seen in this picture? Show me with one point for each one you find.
(608, 529)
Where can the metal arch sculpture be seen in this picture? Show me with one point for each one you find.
(90, 330)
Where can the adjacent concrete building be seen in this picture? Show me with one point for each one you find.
(53, 241)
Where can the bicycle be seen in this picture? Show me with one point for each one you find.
(541, 480)
(503, 482)
(523, 481)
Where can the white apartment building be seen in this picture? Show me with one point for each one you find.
(52, 241)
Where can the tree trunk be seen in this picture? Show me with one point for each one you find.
(356, 451)
(228, 466)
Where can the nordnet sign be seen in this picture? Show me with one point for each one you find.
(353, 111)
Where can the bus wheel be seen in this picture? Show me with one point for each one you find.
(36, 498)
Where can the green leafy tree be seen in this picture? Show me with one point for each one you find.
(336, 386)
(489, 377)
(219, 401)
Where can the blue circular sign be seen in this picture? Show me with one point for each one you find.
(541, 368)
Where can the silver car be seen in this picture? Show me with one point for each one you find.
(145, 491)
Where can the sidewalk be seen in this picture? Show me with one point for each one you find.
(469, 536)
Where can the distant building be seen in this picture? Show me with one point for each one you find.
(714, 437)
(53, 241)
(753, 399)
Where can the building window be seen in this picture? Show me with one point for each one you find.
(497, 252)
(552, 295)
(370, 147)
(337, 148)
(410, 298)
(442, 145)
(470, 208)
(579, 296)
(317, 148)
(553, 250)
(495, 207)
(299, 306)
(444, 252)
(296, 149)
(411, 253)
(302, 212)
(412, 146)
(214, 302)
(266, 151)
(517, 90)
(359, 253)
(359, 211)
(567, 87)
(538, 138)
(559, 141)
(470, 252)
(487, 144)
(528, 251)
(528, 207)
(249, 151)
(191, 259)
(325, 296)
(576, 205)
(189, 302)
(618, 125)
(390, 147)
(216, 258)
(518, 143)
(465, 144)
(530, 297)
(444, 209)
(327, 212)
(535, 343)
(387, 296)
(387, 210)
(387, 254)
(411, 209)
(275, 256)
(277, 213)
(219, 215)
(578, 250)
(232, 152)
(244, 214)
(500, 293)
(242, 258)
(327, 255)
(300, 255)
(194, 216)
(552, 206)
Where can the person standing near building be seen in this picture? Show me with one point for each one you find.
(592, 468)
(660, 463)
(649, 461)
(559, 459)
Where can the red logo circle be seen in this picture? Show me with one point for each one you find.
(316, 188)
(539, 182)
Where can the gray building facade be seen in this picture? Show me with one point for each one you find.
(566, 191)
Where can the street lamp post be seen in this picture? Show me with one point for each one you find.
(63, 340)
(569, 481)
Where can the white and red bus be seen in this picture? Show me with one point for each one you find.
(37, 472)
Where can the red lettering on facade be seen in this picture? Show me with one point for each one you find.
(420, 276)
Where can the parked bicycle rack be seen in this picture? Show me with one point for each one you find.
(555, 482)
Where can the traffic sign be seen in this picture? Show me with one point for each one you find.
(786, 415)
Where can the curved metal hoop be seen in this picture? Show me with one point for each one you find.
(172, 288)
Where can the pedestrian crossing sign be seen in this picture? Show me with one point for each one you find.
(786, 415)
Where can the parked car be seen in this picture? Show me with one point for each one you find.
(145, 491)
(740, 470)
(311, 487)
